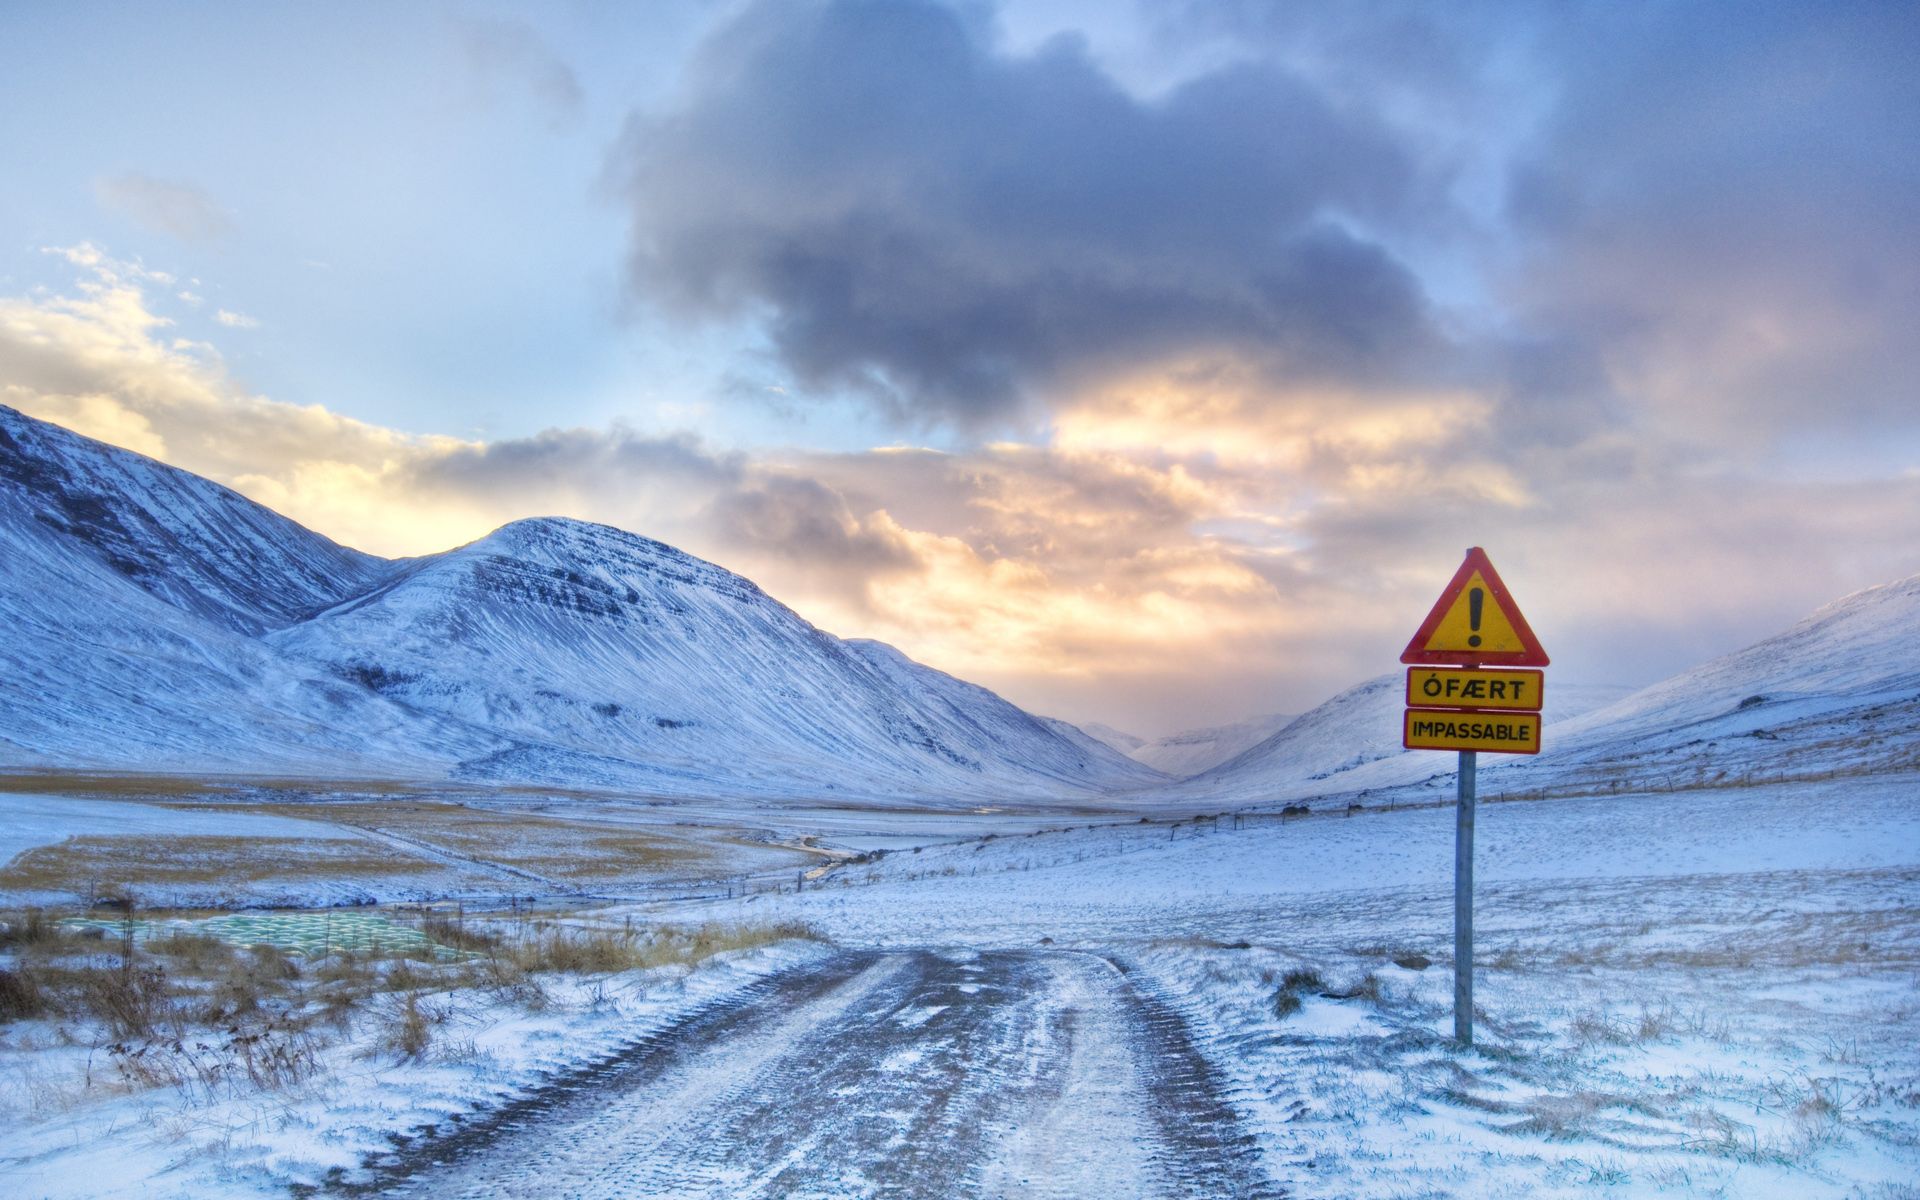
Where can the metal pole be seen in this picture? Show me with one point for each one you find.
(1463, 904)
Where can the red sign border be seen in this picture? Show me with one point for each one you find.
(1407, 716)
(1540, 686)
(1531, 654)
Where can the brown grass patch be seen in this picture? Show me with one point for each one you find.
(557, 848)
(90, 865)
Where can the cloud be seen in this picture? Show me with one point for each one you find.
(958, 232)
(234, 320)
(1192, 543)
(164, 206)
(505, 53)
(1701, 211)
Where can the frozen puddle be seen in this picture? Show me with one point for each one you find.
(876, 1074)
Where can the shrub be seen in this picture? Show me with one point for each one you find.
(196, 952)
(29, 928)
(20, 995)
(457, 935)
(1294, 984)
(409, 1032)
(130, 1001)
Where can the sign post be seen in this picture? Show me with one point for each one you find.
(1463, 902)
(1464, 706)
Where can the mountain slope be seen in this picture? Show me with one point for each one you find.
(1839, 692)
(1196, 750)
(1321, 749)
(185, 540)
(128, 594)
(162, 622)
(600, 642)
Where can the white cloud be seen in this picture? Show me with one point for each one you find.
(165, 206)
(1123, 571)
(234, 320)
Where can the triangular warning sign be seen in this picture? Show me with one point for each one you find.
(1475, 621)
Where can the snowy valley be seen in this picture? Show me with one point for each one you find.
(566, 863)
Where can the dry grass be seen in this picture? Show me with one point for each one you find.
(555, 848)
(1295, 984)
(571, 949)
(209, 1019)
(97, 865)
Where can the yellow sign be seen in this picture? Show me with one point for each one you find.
(1498, 733)
(1440, 687)
(1475, 622)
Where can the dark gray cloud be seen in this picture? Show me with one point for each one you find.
(920, 216)
(558, 459)
(804, 521)
(1723, 204)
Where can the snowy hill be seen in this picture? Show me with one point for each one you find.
(1321, 750)
(599, 642)
(1837, 693)
(163, 622)
(1190, 751)
(185, 540)
(1118, 739)
(1196, 750)
(128, 593)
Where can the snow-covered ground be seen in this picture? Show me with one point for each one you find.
(1712, 992)
(79, 1124)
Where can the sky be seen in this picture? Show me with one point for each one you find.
(1152, 364)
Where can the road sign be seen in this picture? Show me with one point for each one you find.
(1466, 687)
(1452, 729)
(1475, 623)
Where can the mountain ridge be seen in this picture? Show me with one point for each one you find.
(550, 650)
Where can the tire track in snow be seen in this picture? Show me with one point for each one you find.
(913, 1073)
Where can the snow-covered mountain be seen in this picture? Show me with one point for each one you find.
(1194, 750)
(1119, 739)
(1320, 748)
(160, 621)
(1840, 691)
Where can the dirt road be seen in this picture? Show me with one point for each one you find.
(906, 1074)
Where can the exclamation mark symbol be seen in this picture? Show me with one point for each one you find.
(1476, 600)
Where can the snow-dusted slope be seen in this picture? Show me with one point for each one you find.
(1322, 748)
(159, 621)
(992, 729)
(1118, 739)
(1197, 750)
(1858, 648)
(188, 541)
(1837, 693)
(123, 646)
(597, 642)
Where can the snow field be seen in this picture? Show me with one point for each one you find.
(83, 1121)
(1710, 993)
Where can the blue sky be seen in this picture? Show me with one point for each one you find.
(1152, 364)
